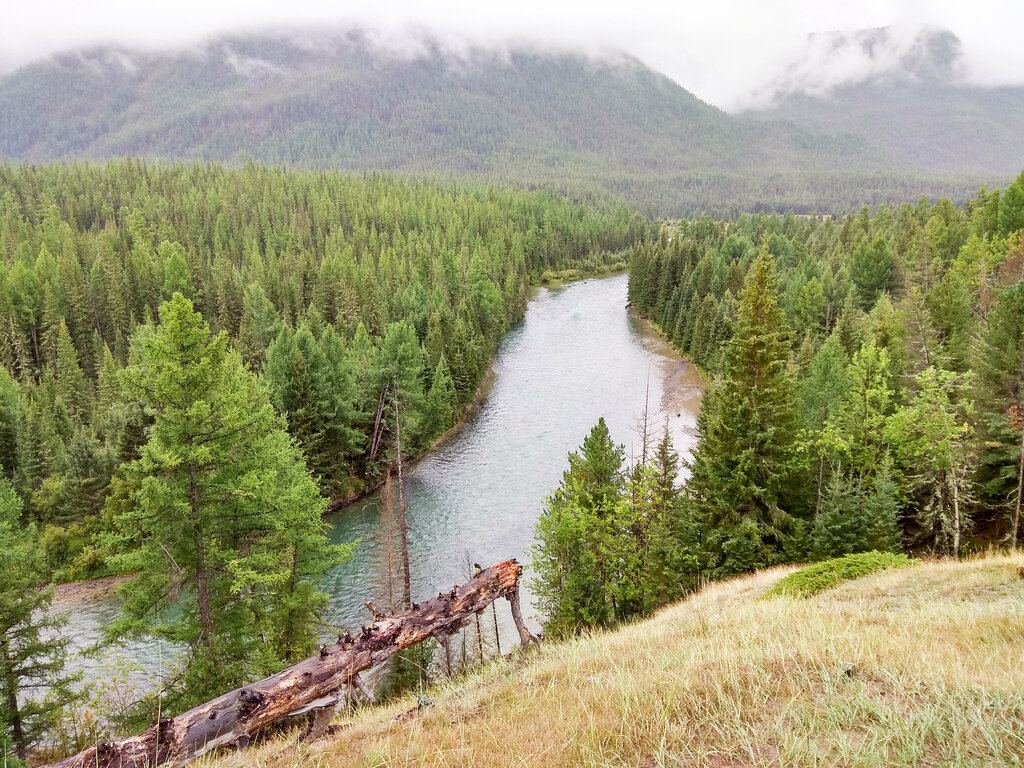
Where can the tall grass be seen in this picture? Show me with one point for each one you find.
(906, 667)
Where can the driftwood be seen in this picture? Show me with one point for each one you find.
(312, 684)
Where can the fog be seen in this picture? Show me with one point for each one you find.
(731, 53)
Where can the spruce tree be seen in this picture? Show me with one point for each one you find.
(857, 516)
(822, 396)
(575, 574)
(221, 516)
(441, 404)
(73, 388)
(32, 647)
(739, 489)
(999, 391)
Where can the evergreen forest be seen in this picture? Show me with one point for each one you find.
(866, 376)
(199, 362)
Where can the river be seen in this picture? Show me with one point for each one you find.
(579, 354)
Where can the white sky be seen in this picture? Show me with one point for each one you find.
(722, 50)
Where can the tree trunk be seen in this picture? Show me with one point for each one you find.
(403, 528)
(1020, 487)
(202, 592)
(821, 482)
(956, 516)
(232, 719)
(13, 713)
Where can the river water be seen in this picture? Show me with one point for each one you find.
(579, 354)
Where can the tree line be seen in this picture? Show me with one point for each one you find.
(196, 359)
(866, 386)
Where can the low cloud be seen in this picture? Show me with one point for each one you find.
(731, 53)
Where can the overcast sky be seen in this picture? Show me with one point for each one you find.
(725, 51)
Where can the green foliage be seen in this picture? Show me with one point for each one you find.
(743, 466)
(854, 518)
(999, 361)
(32, 646)
(816, 578)
(218, 516)
(909, 362)
(595, 557)
(873, 270)
(1011, 207)
(335, 289)
(931, 438)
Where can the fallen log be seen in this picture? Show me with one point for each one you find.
(233, 719)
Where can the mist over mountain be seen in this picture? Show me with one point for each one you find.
(905, 94)
(582, 123)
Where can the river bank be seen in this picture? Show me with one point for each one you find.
(577, 356)
(70, 594)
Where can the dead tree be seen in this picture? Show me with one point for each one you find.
(312, 684)
(403, 526)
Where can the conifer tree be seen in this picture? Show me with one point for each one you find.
(221, 515)
(73, 388)
(440, 406)
(32, 647)
(931, 438)
(857, 516)
(867, 406)
(574, 582)
(823, 393)
(739, 489)
(999, 361)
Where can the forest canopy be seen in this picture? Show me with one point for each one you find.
(332, 288)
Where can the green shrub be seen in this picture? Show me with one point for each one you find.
(830, 573)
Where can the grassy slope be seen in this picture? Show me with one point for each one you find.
(723, 679)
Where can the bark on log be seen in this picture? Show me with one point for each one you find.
(232, 719)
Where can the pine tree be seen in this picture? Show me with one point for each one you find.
(574, 583)
(73, 388)
(440, 406)
(32, 647)
(222, 516)
(741, 470)
(823, 393)
(856, 517)
(1011, 207)
(873, 270)
(999, 361)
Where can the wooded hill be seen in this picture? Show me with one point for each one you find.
(583, 126)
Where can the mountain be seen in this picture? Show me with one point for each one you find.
(912, 102)
(584, 125)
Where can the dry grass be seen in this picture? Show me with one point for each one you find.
(912, 667)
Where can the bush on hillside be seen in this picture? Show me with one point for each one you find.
(830, 573)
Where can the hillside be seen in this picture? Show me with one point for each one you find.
(917, 666)
(584, 125)
(918, 107)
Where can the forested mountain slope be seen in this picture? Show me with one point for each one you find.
(584, 125)
(921, 110)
